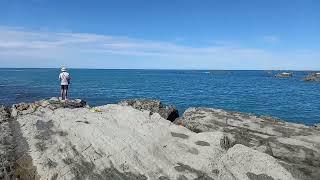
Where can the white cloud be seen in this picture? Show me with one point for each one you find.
(17, 40)
(18, 43)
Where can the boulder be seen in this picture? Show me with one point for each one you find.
(247, 164)
(122, 143)
(154, 106)
(296, 146)
(312, 77)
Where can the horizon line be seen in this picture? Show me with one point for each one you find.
(182, 69)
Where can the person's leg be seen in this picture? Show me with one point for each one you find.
(66, 92)
(61, 92)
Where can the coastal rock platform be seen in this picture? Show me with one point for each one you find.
(54, 139)
(296, 146)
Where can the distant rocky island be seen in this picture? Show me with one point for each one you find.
(144, 139)
(313, 77)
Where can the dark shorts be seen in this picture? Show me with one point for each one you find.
(64, 87)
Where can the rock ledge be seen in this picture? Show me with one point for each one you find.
(154, 106)
(296, 146)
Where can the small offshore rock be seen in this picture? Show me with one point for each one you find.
(313, 77)
(284, 75)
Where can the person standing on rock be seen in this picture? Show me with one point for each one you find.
(65, 78)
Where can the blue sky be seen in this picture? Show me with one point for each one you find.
(162, 34)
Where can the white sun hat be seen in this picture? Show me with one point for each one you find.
(63, 69)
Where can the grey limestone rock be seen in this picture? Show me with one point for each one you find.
(61, 140)
(296, 145)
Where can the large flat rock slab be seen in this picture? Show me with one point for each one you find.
(120, 142)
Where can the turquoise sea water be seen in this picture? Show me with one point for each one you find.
(256, 92)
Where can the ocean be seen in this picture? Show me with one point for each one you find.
(255, 92)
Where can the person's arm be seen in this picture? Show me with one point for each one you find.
(69, 79)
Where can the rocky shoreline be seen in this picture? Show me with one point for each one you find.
(296, 146)
(144, 139)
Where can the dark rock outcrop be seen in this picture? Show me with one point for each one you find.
(53, 103)
(7, 159)
(154, 106)
(312, 77)
(296, 146)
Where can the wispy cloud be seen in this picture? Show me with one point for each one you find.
(15, 40)
(18, 43)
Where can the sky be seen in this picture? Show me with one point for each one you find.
(161, 34)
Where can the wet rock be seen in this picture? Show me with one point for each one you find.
(154, 106)
(295, 144)
(312, 77)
